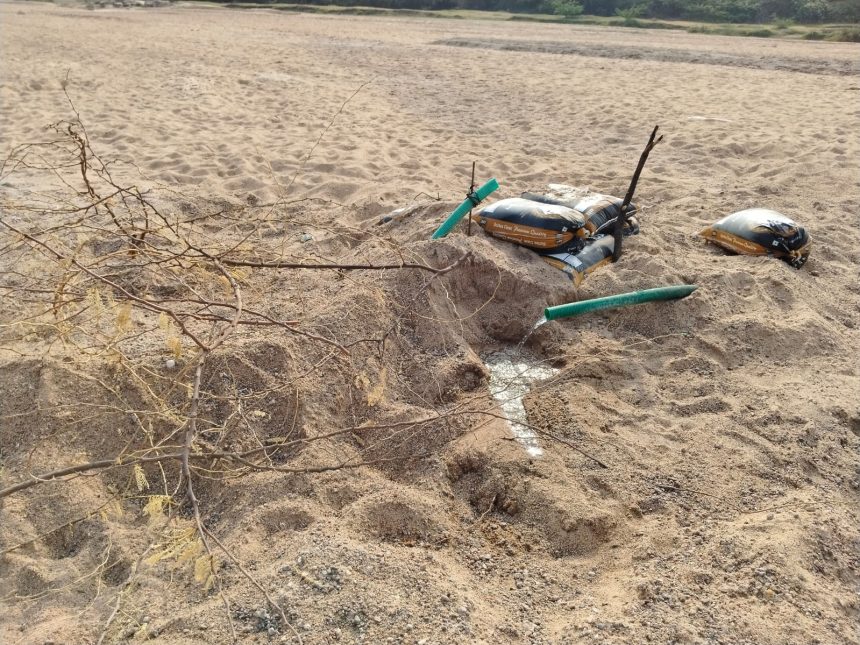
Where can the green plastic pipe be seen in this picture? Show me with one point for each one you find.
(467, 205)
(620, 300)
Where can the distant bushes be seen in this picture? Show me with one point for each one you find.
(753, 11)
(629, 11)
(847, 35)
(567, 8)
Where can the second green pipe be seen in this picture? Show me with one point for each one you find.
(467, 205)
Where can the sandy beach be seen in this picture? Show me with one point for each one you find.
(699, 475)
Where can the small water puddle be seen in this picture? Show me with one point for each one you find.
(512, 372)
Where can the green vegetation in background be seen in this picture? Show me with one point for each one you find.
(569, 9)
(632, 12)
(781, 29)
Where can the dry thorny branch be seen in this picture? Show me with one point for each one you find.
(107, 273)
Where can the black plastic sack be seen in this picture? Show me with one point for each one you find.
(535, 225)
(596, 253)
(759, 231)
(599, 211)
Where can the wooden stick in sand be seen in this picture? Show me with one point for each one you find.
(621, 220)
(471, 190)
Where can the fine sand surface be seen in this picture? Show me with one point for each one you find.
(728, 422)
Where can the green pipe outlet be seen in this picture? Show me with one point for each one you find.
(467, 205)
(620, 300)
